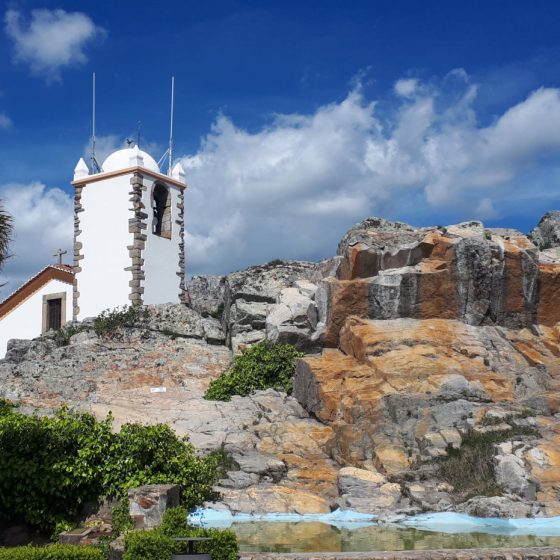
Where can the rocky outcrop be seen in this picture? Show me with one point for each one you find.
(400, 393)
(149, 375)
(480, 276)
(547, 233)
(417, 340)
(274, 301)
(438, 332)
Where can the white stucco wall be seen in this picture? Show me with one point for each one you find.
(103, 280)
(26, 320)
(161, 255)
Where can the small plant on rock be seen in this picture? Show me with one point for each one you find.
(111, 322)
(63, 335)
(262, 366)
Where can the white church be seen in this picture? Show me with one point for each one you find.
(128, 248)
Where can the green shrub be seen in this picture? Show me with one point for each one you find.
(109, 324)
(156, 455)
(148, 545)
(174, 522)
(51, 552)
(51, 466)
(262, 366)
(6, 407)
(158, 544)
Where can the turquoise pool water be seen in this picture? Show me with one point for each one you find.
(347, 531)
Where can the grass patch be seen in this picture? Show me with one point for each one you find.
(470, 468)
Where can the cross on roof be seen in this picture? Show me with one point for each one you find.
(59, 254)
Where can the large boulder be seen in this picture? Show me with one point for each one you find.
(366, 491)
(404, 390)
(466, 272)
(206, 295)
(275, 301)
(546, 235)
(496, 506)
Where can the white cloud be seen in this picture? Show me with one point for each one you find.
(406, 87)
(5, 121)
(51, 40)
(291, 189)
(43, 222)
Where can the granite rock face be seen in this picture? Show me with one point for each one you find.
(278, 452)
(400, 393)
(417, 340)
(275, 301)
(206, 295)
(547, 233)
(479, 276)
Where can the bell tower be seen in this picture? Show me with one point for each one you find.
(128, 233)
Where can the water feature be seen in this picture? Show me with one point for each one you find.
(344, 532)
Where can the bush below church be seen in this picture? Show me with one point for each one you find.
(50, 467)
(262, 366)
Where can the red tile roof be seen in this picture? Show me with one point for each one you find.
(61, 272)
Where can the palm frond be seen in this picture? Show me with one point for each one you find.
(6, 229)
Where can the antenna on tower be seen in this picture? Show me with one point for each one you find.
(171, 125)
(94, 164)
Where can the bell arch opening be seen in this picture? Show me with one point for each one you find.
(161, 205)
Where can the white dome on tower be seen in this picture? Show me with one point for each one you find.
(129, 157)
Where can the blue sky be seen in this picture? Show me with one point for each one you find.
(294, 120)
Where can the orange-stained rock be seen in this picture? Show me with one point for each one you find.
(399, 390)
(344, 298)
(464, 272)
(274, 498)
(549, 300)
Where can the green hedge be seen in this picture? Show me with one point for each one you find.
(51, 552)
(158, 544)
(262, 366)
(51, 466)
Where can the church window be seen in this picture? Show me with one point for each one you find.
(161, 204)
